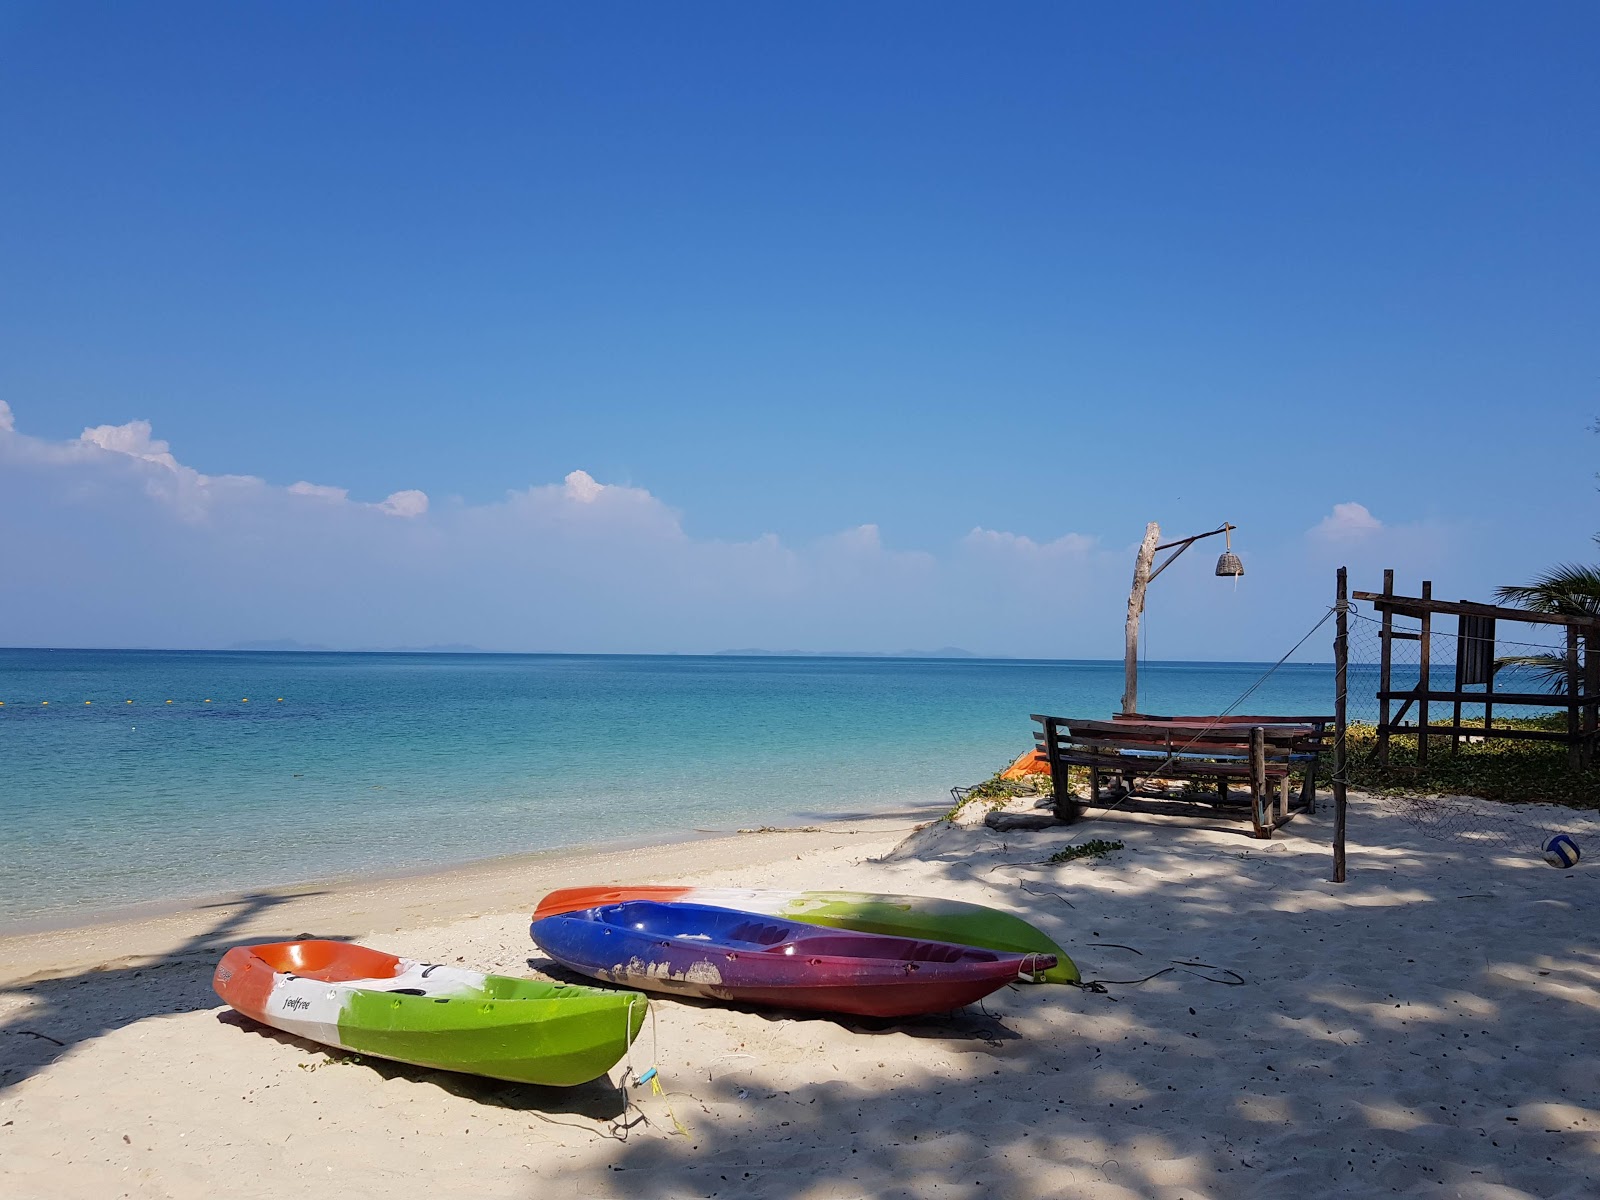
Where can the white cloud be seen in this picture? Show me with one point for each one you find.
(319, 491)
(409, 503)
(863, 539)
(132, 439)
(8, 423)
(581, 486)
(1068, 545)
(573, 565)
(1348, 522)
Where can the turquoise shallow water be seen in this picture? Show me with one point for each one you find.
(376, 762)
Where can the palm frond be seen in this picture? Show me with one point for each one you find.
(1568, 589)
(1550, 670)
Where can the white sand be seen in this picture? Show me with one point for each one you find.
(1429, 1028)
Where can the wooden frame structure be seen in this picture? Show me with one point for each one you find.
(1259, 753)
(1474, 665)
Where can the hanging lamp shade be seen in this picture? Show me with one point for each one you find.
(1228, 562)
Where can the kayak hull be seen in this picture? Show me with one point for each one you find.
(723, 954)
(369, 1002)
(927, 917)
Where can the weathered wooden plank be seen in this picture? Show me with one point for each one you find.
(1414, 606)
(1574, 716)
(1341, 661)
(1132, 729)
(1468, 734)
(1534, 699)
(1260, 797)
(1385, 664)
(1424, 682)
(1143, 719)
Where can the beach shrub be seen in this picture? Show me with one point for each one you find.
(1092, 849)
(1504, 769)
(996, 792)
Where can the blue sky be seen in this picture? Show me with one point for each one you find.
(867, 326)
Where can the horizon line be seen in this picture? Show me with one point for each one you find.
(841, 655)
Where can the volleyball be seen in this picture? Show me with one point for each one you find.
(1561, 851)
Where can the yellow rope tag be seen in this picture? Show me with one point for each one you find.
(655, 1088)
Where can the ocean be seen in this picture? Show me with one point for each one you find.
(269, 768)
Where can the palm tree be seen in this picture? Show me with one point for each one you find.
(1567, 589)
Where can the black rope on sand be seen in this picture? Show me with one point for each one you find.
(1098, 985)
(41, 1036)
(1023, 884)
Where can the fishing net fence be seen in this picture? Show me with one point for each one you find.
(1466, 659)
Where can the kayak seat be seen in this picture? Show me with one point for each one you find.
(328, 962)
(758, 933)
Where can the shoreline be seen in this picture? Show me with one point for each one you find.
(94, 914)
(432, 895)
(1252, 1031)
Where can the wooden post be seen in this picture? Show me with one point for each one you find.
(1461, 659)
(1591, 686)
(1424, 682)
(1574, 732)
(1385, 661)
(1141, 580)
(1260, 794)
(1064, 804)
(1488, 693)
(1341, 663)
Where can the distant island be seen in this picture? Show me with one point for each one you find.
(942, 652)
(289, 645)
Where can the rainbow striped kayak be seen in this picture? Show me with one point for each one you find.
(926, 917)
(747, 958)
(524, 1030)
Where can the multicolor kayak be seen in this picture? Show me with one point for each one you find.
(723, 954)
(524, 1030)
(900, 916)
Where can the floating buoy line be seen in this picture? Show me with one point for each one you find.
(89, 703)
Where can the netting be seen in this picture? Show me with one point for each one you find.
(1514, 666)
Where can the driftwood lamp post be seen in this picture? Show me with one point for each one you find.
(1228, 564)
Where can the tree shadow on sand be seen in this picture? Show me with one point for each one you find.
(1400, 1068)
(61, 1011)
(597, 1101)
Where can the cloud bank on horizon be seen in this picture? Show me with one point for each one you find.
(116, 542)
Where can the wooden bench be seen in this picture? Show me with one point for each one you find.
(1314, 728)
(1258, 756)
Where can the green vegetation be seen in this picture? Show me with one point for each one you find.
(1094, 849)
(1567, 589)
(995, 792)
(1494, 768)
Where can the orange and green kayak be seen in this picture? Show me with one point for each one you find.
(524, 1030)
(923, 917)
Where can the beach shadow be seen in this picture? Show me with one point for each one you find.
(972, 1023)
(598, 1100)
(1228, 1071)
(62, 1011)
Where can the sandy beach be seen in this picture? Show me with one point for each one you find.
(1425, 1029)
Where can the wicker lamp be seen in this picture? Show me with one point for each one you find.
(1228, 562)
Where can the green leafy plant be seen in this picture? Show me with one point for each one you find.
(1094, 849)
(1505, 769)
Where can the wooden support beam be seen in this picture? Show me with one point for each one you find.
(1423, 682)
(1574, 728)
(1533, 699)
(1260, 794)
(1415, 606)
(1141, 580)
(1341, 662)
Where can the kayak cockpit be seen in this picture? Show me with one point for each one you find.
(329, 962)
